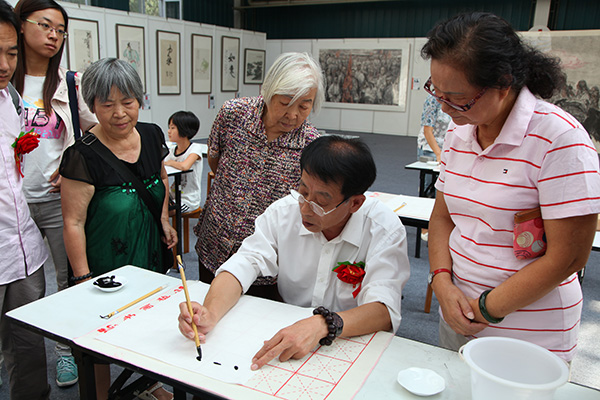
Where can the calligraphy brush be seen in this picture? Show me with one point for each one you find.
(189, 305)
(112, 314)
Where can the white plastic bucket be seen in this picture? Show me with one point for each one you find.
(512, 369)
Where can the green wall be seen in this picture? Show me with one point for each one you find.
(114, 4)
(214, 12)
(376, 19)
(575, 14)
(371, 20)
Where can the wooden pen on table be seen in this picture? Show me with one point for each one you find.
(112, 314)
(401, 205)
(189, 305)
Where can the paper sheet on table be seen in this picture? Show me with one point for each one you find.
(233, 342)
(406, 206)
(416, 207)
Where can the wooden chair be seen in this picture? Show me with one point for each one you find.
(186, 227)
(195, 214)
(428, 297)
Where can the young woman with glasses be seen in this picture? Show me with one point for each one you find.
(41, 82)
(507, 151)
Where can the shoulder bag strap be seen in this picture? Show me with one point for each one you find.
(15, 98)
(73, 103)
(92, 141)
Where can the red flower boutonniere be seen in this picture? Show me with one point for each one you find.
(352, 273)
(25, 143)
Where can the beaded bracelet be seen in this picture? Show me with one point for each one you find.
(82, 277)
(334, 322)
(484, 310)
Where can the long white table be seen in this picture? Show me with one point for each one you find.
(425, 169)
(412, 210)
(403, 353)
(72, 313)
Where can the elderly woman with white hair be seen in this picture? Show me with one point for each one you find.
(254, 150)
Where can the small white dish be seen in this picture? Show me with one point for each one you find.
(421, 381)
(433, 163)
(118, 278)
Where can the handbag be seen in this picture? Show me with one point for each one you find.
(529, 237)
(92, 141)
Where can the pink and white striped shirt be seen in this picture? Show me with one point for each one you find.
(542, 157)
(21, 244)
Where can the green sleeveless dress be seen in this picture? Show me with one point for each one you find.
(120, 230)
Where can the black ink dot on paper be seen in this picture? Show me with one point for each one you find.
(235, 367)
(217, 363)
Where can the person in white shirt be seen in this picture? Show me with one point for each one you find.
(183, 126)
(42, 83)
(301, 238)
(21, 266)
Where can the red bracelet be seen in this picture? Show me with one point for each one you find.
(437, 271)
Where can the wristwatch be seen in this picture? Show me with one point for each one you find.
(434, 273)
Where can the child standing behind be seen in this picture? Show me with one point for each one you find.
(183, 125)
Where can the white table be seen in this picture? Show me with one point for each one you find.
(403, 353)
(72, 313)
(425, 168)
(415, 212)
(412, 208)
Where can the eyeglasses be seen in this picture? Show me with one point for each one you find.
(317, 209)
(47, 28)
(457, 107)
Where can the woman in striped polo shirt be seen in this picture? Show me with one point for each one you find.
(507, 151)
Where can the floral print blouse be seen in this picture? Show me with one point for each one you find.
(252, 174)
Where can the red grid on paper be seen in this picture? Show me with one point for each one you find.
(315, 376)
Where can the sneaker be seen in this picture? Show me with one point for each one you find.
(66, 371)
(425, 236)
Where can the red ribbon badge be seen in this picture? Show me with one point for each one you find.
(25, 143)
(352, 273)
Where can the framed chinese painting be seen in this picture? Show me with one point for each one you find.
(169, 60)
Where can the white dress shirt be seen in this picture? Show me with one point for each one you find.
(303, 261)
(21, 244)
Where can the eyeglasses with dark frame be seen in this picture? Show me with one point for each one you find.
(457, 107)
(317, 209)
(47, 28)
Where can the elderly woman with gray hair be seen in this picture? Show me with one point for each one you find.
(107, 224)
(254, 150)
